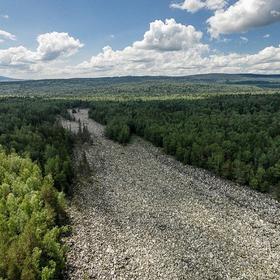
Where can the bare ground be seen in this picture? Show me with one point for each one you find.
(143, 215)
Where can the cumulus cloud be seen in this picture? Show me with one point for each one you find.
(243, 16)
(160, 53)
(51, 46)
(266, 36)
(130, 61)
(267, 60)
(167, 48)
(7, 35)
(5, 16)
(163, 45)
(169, 36)
(16, 56)
(196, 5)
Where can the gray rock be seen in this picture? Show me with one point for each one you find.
(144, 215)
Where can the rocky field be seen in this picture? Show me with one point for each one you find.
(143, 215)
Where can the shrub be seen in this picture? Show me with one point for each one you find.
(119, 131)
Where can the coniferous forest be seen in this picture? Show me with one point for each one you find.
(236, 137)
(35, 174)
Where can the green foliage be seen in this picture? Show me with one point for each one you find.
(83, 135)
(31, 208)
(140, 87)
(30, 245)
(29, 126)
(237, 137)
(215, 126)
(119, 131)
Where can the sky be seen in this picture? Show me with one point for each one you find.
(95, 38)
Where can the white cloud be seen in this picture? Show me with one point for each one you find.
(131, 61)
(244, 15)
(196, 5)
(5, 16)
(266, 36)
(169, 36)
(53, 45)
(275, 13)
(163, 45)
(7, 35)
(189, 5)
(167, 48)
(16, 56)
(267, 60)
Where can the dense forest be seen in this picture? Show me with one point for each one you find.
(35, 173)
(142, 86)
(133, 87)
(237, 137)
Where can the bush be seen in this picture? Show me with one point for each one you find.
(119, 131)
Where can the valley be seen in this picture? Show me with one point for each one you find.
(143, 215)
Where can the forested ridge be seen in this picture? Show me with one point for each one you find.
(237, 137)
(35, 172)
(123, 88)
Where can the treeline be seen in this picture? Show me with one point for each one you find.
(237, 137)
(118, 130)
(130, 87)
(35, 171)
(31, 127)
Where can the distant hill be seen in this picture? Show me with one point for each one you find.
(246, 79)
(148, 85)
(272, 81)
(242, 79)
(7, 79)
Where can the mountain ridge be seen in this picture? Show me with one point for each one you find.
(8, 79)
(261, 80)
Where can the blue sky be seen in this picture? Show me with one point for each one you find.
(90, 25)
